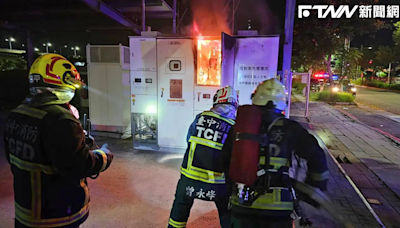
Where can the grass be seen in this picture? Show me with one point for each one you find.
(326, 96)
(313, 96)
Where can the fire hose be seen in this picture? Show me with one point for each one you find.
(321, 199)
(89, 139)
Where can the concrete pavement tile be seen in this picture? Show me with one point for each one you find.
(360, 154)
(371, 163)
(362, 181)
(391, 166)
(389, 196)
(354, 218)
(382, 160)
(393, 149)
(350, 168)
(391, 178)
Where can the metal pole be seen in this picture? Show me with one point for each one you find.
(9, 41)
(233, 17)
(308, 93)
(174, 17)
(289, 90)
(29, 49)
(288, 45)
(390, 69)
(144, 14)
(47, 48)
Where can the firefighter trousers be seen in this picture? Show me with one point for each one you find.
(189, 190)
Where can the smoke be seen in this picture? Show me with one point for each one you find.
(263, 17)
(210, 17)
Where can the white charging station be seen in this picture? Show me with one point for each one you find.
(174, 78)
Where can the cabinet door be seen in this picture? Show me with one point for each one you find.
(175, 91)
(115, 101)
(98, 104)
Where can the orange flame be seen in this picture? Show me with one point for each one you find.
(208, 62)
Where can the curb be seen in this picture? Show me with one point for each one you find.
(387, 135)
(375, 88)
(371, 210)
(342, 103)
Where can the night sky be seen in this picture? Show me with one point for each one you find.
(267, 16)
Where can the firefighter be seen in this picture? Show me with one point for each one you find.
(45, 145)
(201, 171)
(276, 204)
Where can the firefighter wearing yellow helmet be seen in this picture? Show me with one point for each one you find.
(45, 145)
(269, 200)
(201, 172)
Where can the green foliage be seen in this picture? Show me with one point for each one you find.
(380, 84)
(358, 81)
(386, 55)
(396, 33)
(12, 63)
(298, 85)
(347, 62)
(326, 96)
(314, 96)
(316, 40)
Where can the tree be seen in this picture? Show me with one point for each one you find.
(386, 55)
(396, 33)
(12, 63)
(348, 61)
(321, 38)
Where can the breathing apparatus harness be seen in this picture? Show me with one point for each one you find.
(249, 194)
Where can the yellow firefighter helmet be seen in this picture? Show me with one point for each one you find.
(271, 90)
(55, 71)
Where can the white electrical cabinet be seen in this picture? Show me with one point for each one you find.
(175, 78)
(247, 62)
(109, 90)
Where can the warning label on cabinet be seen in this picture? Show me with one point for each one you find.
(252, 75)
(175, 88)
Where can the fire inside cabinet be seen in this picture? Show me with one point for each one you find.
(109, 90)
(172, 80)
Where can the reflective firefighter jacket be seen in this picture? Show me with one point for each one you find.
(206, 136)
(285, 136)
(50, 162)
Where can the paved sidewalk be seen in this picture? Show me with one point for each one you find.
(138, 190)
(370, 159)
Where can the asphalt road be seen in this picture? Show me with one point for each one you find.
(388, 101)
(374, 120)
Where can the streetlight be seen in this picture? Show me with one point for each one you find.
(10, 40)
(75, 49)
(65, 46)
(36, 49)
(47, 46)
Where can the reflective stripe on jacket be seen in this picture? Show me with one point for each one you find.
(45, 197)
(206, 136)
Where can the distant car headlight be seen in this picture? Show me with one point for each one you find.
(353, 89)
(335, 89)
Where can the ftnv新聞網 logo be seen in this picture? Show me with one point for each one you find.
(364, 11)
